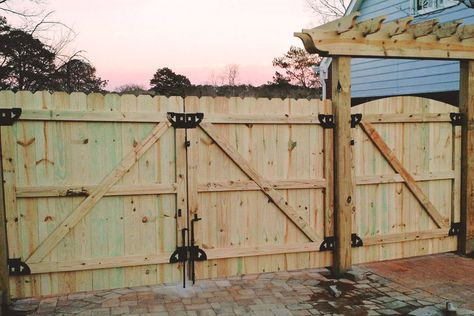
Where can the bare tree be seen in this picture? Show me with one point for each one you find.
(328, 10)
(230, 74)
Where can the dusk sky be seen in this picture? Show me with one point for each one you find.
(128, 40)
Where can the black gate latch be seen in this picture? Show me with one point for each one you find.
(185, 120)
(9, 116)
(18, 267)
(188, 253)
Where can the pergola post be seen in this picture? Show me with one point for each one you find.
(344, 185)
(466, 107)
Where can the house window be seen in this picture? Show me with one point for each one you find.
(427, 6)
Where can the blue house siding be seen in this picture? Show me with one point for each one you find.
(383, 77)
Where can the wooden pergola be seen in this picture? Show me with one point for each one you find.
(345, 38)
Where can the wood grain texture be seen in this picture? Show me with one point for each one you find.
(127, 237)
(97, 194)
(408, 178)
(467, 153)
(344, 182)
(264, 185)
(390, 220)
(423, 40)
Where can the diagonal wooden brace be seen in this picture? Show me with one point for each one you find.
(264, 184)
(86, 206)
(410, 182)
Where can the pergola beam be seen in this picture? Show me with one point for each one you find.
(396, 39)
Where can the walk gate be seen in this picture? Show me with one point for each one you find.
(106, 191)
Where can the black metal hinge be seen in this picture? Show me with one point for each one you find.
(18, 267)
(9, 116)
(355, 119)
(457, 119)
(185, 120)
(356, 241)
(455, 229)
(326, 120)
(327, 244)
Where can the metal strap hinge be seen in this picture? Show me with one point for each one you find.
(355, 119)
(329, 242)
(185, 120)
(9, 116)
(455, 229)
(326, 120)
(457, 119)
(17, 267)
(356, 241)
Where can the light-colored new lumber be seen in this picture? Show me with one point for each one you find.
(396, 178)
(409, 180)
(158, 188)
(466, 97)
(404, 237)
(265, 186)
(154, 117)
(86, 190)
(84, 208)
(152, 259)
(401, 39)
(249, 185)
(344, 182)
(407, 118)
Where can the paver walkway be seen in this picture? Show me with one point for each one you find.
(387, 288)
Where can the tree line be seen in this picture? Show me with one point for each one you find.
(28, 63)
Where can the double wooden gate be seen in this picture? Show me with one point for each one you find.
(99, 188)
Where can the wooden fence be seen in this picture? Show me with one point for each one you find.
(98, 188)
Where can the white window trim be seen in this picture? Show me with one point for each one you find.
(446, 4)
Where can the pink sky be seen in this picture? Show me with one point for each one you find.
(128, 40)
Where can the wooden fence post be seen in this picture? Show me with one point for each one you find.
(344, 184)
(466, 107)
(4, 275)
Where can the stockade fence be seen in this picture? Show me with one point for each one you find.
(104, 191)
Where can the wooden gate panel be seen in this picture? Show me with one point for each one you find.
(241, 229)
(63, 147)
(388, 216)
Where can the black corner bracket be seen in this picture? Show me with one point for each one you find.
(9, 116)
(185, 120)
(355, 119)
(326, 120)
(455, 229)
(457, 119)
(327, 244)
(17, 267)
(356, 241)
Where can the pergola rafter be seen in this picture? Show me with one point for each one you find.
(397, 39)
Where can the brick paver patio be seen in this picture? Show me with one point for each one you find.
(420, 285)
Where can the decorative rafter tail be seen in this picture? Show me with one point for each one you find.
(396, 39)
